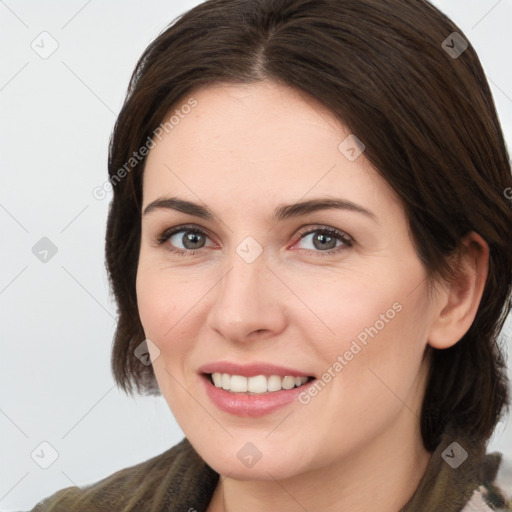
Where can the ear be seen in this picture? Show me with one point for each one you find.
(458, 302)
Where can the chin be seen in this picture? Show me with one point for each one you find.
(263, 470)
(242, 459)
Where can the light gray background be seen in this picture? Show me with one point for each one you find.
(57, 319)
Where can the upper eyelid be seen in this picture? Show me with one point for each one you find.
(328, 229)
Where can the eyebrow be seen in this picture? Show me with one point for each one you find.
(281, 212)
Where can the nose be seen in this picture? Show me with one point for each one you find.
(248, 302)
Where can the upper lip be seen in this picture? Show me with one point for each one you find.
(251, 370)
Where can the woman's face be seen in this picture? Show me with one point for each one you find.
(261, 290)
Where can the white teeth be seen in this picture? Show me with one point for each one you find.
(238, 384)
(288, 382)
(274, 383)
(257, 384)
(217, 379)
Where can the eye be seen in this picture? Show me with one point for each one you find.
(191, 239)
(322, 241)
(326, 241)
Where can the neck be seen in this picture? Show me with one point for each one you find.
(387, 472)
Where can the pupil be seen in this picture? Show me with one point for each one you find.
(325, 241)
(193, 238)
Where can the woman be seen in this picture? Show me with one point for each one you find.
(311, 251)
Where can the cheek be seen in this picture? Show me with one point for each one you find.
(373, 331)
(152, 303)
(163, 304)
(168, 303)
(376, 301)
(163, 297)
(383, 372)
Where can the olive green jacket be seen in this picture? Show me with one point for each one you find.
(178, 480)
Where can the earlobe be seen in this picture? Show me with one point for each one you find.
(459, 301)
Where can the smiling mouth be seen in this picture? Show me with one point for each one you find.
(256, 385)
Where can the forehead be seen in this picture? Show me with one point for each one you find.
(249, 142)
(241, 119)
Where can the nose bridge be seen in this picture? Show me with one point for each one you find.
(246, 298)
(242, 288)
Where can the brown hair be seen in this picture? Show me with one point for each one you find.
(425, 115)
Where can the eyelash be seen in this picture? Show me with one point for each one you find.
(340, 235)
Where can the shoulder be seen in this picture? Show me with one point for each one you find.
(162, 480)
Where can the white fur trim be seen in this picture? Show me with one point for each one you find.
(477, 503)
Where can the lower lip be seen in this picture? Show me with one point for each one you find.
(243, 404)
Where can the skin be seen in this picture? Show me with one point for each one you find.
(244, 150)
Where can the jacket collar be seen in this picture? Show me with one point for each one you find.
(454, 472)
(457, 469)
